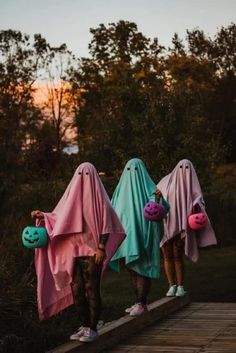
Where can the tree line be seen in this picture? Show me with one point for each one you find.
(130, 97)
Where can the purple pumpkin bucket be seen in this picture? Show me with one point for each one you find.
(153, 211)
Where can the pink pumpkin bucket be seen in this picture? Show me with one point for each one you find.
(197, 220)
(153, 211)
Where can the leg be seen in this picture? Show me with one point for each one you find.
(143, 288)
(133, 277)
(168, 260)
(178, 251)
(92, 277)
(79, 293)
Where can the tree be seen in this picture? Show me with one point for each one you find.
(221, 52)
(138, 101)
(19, 62)
(115, 86)
(57, 105)
(194, 133)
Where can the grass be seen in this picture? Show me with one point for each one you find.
(213, 278)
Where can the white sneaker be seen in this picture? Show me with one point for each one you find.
(172, 291)
(78, 334)
(138, 309)
(128, 310)
(180, 291)
(100, 324)
(89, 335)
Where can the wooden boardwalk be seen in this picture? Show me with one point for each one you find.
(197, 328)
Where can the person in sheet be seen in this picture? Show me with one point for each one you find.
(84, 233)
(182, 191)
(140, 251)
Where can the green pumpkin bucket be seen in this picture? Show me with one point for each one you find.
(34, 237)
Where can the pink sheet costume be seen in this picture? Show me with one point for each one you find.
(182, 191)
(75, 226)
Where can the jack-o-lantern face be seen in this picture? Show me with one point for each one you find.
(197, 220)
(34, 237)
(153, 211)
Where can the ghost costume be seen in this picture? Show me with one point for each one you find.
(140, 249)
(82, 215)
(182, 191)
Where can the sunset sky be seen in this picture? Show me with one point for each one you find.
(68, 21)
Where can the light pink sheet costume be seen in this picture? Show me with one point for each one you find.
(181, 189)
(74, 227)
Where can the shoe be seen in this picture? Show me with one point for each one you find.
(180, 291)
(78, 334)
(128, 310)
(138, 309)
(100, 324)
(172, 291)
(89, 335)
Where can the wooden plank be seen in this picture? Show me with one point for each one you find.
(148, 348)
(205, 328)
(197, 328)
(125, 326)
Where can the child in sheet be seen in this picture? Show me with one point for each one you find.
(84, 233)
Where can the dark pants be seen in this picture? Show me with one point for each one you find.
(141, 286)
(86, 290)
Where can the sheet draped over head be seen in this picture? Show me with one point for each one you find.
(182, 191)
(140, 249)
(84, 206)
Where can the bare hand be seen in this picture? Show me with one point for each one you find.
(100, 256)
(37, 214)
(158, 193)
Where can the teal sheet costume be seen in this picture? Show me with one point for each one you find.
(141, 247)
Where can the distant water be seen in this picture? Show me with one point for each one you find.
(71, 149)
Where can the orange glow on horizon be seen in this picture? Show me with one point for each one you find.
(56, 103)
